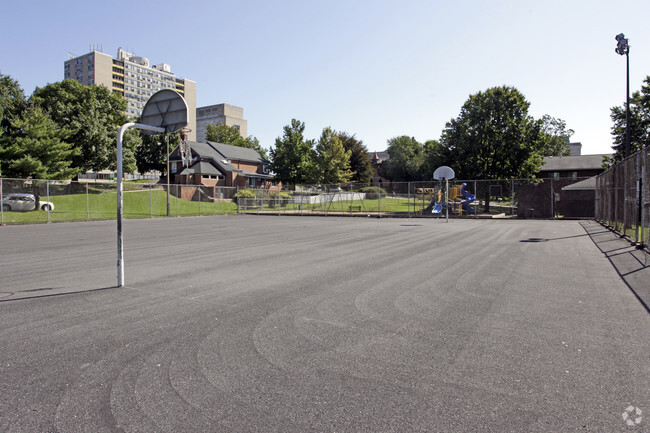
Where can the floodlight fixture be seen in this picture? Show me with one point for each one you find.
(622, 47)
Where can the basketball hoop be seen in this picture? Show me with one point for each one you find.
(185, 148)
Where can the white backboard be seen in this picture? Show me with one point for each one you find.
(443, 173)
(165, 109)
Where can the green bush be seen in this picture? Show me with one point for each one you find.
(245, 193)
(373, 192)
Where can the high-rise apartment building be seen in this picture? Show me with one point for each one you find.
(132, 77)
(219, 113)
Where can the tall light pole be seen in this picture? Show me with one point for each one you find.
(623, 48)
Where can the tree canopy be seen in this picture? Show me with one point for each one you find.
(12, 101)
(151, 154)
(494, 137)
(93, 115)
(405, 159)
(639, 122)
(292, 158)
(38, 149)
(360, 162)
(331, 161)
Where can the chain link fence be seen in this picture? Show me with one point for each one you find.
(523, 198)
(495, 198)
(623, 197)
(43, 201)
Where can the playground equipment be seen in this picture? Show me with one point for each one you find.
(458, 200)
(469, 198)
(435, 206)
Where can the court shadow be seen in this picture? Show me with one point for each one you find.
(25, 294)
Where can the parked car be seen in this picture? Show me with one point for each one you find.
(23, 202)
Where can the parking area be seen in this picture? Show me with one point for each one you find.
(293, 324)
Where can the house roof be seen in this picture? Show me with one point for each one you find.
(202, 167)
(236, 152)
(222, 153)
(580, 162)
(378, 157)
(214, 159)
(587, 184)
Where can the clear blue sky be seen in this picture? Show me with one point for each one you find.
(377, 69)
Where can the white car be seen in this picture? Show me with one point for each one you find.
(23, 202)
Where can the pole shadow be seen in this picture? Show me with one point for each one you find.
(6, 295)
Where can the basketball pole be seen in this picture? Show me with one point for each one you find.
(120, 175)
(167, 143)
(447, 199)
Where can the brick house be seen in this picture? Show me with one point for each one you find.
(221, 165)
(570, 181)
(571, 167)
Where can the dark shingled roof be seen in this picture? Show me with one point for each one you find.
(581, 162)
(587, 184)
(219, 155)
(235, 152)
(202, 168)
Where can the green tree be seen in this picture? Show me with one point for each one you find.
(152, 153)
(639, 122)
(332, 161)
(93, 115)
(405, 159)
(12, 101)
(493, 137)
(222, 133)
(38, 149)
(130, 145)
(554, 136)
(292, 158)
(435, 155)
(360, 160)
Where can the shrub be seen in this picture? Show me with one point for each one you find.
(245, 193)
(373, 192)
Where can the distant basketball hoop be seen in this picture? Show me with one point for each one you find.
(445, 173)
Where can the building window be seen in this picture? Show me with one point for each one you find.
(556, 175)
(574, 175)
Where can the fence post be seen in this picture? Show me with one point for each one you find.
(2, 210)
(379, 202)
(87, 204)
(47, 192)
(150, 202)
(199, 191)
(409, 198)
(512, 197)
(552, 200)
(625, 195)
(642, 159)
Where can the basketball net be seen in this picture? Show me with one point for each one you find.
(186, 150)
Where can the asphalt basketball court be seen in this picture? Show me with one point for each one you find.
(269, 323)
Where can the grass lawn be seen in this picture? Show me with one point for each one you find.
(376, 205)
(103, 205)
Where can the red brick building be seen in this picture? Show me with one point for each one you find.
(216, 164)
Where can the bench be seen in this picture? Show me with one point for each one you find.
(352, 208)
